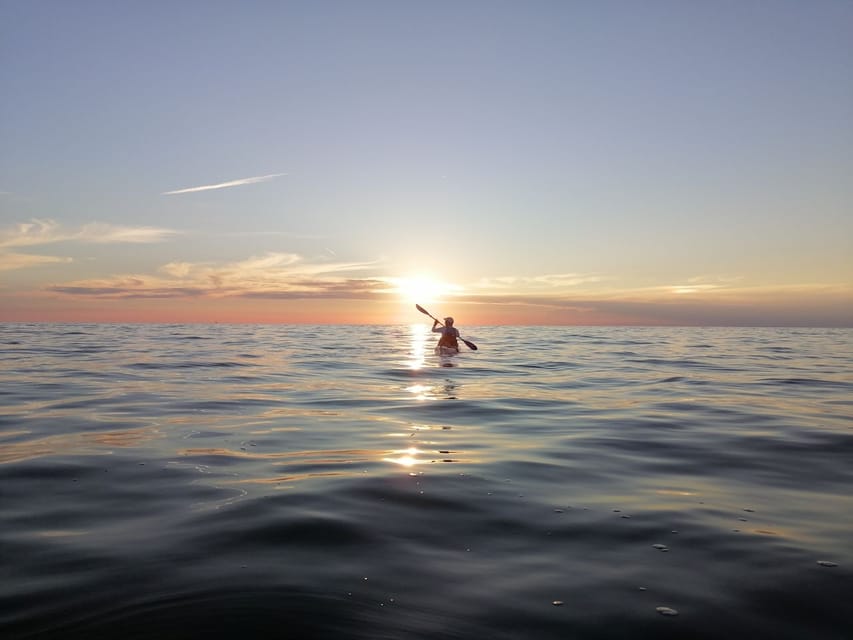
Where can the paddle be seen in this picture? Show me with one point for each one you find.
(468, 344)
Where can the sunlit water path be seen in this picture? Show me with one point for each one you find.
(335, 481)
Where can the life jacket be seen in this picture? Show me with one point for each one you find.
(448, 337)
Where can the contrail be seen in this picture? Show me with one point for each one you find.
(225, 185)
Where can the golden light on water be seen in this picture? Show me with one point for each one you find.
(406, 457)
(419, 336)
(419, 391)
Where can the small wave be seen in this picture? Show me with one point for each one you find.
(326, 531)
(671, 380)
(809, 382)
(557, 365)
(188, 364)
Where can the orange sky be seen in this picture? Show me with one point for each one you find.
(819, 307)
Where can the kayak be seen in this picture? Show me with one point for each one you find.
(446, 351)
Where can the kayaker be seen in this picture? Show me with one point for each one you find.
(449, 334)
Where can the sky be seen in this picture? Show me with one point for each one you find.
(530, 163)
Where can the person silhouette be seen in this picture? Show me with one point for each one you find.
(449, 334)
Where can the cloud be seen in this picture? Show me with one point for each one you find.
(815, 304)
(259, 233)
(46, 231)
(109, 234)
(34, 232)
(39, 232)
(572, 286)
(550, 281)
(224, 185)
(272, 275)
(127, 292)
(566, 298)
(349, 289)
(176, 269)
(701, 284)
(10, 261)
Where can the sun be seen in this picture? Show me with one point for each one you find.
(421, 289)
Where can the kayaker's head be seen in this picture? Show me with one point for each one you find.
(448, 321)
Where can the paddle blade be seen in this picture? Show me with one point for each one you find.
(470, 345)
(425, 312)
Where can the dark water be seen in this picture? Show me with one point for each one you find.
(342, 482)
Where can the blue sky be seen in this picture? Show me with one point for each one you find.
(655, 162)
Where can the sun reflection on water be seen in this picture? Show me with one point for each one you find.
(406, 457)
(420, 391)
(419, 335)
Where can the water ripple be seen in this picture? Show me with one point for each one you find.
(221, 481)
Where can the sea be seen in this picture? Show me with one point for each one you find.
(297, 481)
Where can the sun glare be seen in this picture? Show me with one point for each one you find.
(422, 289)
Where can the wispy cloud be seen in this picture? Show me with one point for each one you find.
(45, 231)
(727, 303)
(108, 234)
(40, 232)
(11, 261)
(34, 232)
(272, 275)
(702, 284)
(224, 185)
(283, 234)
(549, 281)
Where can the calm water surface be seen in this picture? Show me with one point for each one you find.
(186, 481)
